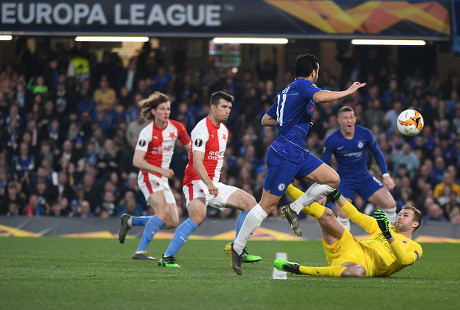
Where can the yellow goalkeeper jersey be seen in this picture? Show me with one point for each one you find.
(383, 258)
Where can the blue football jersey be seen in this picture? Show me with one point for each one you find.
(293, 111)
(350, 154)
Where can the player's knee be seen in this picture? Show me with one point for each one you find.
(355, 271)
(328, 214)
(249, 203)
(335, 181)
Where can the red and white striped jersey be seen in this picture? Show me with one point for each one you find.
(159, 143)
(212, 141)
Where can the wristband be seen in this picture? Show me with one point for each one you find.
(335, 196)
(386, 175)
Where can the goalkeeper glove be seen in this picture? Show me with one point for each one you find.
(383, 222)
(335, 196)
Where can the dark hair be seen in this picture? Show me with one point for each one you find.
(215, 97)
(417, 215)
(345, 108)
(152, 102)
(305, 64)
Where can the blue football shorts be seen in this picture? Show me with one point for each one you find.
(364, 186)
(281, 172)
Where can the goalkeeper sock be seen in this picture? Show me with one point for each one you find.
(180, 237)
(253, 220)
(391, 214)
(314, 193)
(345, 222)
(330, 271)
(138, 220)
(315, 209)
(293, 192)
(151, 228)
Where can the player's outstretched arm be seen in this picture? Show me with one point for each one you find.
(326, 95)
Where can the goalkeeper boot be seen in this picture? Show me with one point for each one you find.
(168, 261)
(143, 256)
(235, 259)
(293, 219)
(284, 265)
(124, 227)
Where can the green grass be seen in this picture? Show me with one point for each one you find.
(59, 273)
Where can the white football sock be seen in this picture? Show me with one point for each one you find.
(314, 193)
(345, 222)
(252, 221)
(391, 214)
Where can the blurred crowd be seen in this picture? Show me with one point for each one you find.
(69, 125)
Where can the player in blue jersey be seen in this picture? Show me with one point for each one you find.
(349, 146)
(287, 158)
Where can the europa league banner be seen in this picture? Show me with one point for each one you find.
(287, 18)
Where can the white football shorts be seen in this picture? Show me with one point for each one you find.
(150, 184)
(199, 189)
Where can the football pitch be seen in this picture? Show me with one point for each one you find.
(68, 273)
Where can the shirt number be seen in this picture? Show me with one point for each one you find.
(280, 100)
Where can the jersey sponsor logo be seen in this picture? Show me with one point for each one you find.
(198, 142)
(353, 154)
(161, 149)
(142, 143)
(281, 186)
(215, 155)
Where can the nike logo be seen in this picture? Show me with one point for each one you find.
(183, 239)
(340, 147)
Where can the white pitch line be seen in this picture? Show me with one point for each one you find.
(280, 275)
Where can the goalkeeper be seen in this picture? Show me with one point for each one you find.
(388, 250)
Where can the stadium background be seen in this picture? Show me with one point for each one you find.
(80, 150)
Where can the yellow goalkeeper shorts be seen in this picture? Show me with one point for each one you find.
(346, 249)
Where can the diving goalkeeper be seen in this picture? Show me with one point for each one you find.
(388, 250)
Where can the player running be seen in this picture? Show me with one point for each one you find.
(349, 144)
(201, 181)
(287, 158)
(388, 250)
(152, 156)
